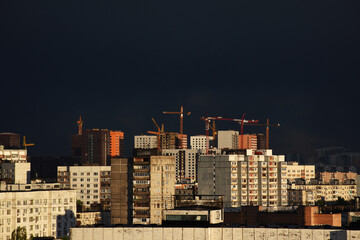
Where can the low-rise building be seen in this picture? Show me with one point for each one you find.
(309, 194)
(254, 216)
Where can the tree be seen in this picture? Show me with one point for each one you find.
(19, 234)
(79, 206)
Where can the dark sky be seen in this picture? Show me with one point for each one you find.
(120, 63)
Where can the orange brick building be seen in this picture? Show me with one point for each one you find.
(116, 143)
(248, 141)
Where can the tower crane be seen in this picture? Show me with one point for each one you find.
(158, 133)
(268, 125)
(80, 124)
(181, 113)
(27, 144)
(241, 121)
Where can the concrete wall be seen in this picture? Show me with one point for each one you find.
(149, 233)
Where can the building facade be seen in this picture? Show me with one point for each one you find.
(327, 177)
(49, 213)
(296, 171)
(153, 188)
(145, 142)
(10, 140)
(228, 139)
(254, 178)
(92, 183)
(14, 167)
(96, 146)
(185, 163)
(248, 141)
(309, 194)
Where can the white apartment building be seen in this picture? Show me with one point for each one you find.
(13, 155)
(48, 213)
(185, 163)
(296, 171)
(145, 142)
(228, 139)
(256, 178)
(199, 142)
(92, 183)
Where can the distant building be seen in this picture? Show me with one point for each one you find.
(296, 171)
(97, 146)
(45, 212)
(309, 194)
(10, 140)
(248, 141)
(261, 141)
(341, 177)
(92, 183)
(228, 139)
(185, 163)
(255, 178)
(116, 143)
(14, 167)
(145, 142)
(199, 142)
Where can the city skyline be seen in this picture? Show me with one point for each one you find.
(120, 64)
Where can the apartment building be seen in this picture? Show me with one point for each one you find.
(10, 140)
(45, 212)
(145, 142)
(296, 171)
(153, 188)
(308, 194)
(142, 188)
(228, 139)
(199, 142)
(92, 183)
(256, 177)
(97, 146)
(328, 177)
(185, 163)
(248, 141)
(14, 167)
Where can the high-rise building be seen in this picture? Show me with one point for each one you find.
(261, 141)
(121, 190)
(116, 143)
(92, 183)
(96, 146)
(228, 139)
(185, 163)
(248, 141)
(10, 140)
(141, 189)
(145, 142)
(254, 178)
(199, 142)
